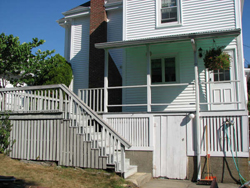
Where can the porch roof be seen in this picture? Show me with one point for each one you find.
(168, 39)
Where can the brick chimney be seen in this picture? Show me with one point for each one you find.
(98, 34)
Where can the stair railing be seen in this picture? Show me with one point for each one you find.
(60, 98)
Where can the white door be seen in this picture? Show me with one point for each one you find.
(223, 92)
(170, 158)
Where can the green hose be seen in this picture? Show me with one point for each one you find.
(242, 180)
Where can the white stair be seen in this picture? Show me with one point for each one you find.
(128, 169)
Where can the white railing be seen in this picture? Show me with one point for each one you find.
(59, 98)
(227, 93)
(95, 98)
(134, 129)
(224, 136)
(29, 100)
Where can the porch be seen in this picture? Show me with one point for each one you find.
(51, 123)
(167, 74)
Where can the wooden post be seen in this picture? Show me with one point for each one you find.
(148, 80)
(61, 100)
(122, 158)
(106, 67)
(197, 115)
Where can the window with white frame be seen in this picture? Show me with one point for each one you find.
(168, 12)
(163, 70)
(221, 75)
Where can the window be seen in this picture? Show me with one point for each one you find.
(163, 70)
(221, 75)
(168, 12)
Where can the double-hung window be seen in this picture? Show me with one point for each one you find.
(168, 12)
(163, 70)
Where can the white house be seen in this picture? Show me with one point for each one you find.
(139, 64)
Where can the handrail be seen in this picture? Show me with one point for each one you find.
(97, 117)
(138, 86)
(55, 86)
(218, 82)
(79, 102)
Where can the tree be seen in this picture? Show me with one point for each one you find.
(60, 72)
(19, 65)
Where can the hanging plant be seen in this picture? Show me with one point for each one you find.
(216, 59)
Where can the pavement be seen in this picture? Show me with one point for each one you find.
(167, 183)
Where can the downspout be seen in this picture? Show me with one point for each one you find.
(197, 115)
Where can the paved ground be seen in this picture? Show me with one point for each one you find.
(166, 183)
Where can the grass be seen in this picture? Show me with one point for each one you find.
(53, 177)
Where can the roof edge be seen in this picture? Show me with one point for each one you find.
(78, 10)
(167, 39)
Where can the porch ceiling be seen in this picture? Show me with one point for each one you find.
(168, 39)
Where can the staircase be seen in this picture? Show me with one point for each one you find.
(108, 149)
(81, 138)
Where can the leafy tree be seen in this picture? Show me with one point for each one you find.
(19, 65)
(59, 72)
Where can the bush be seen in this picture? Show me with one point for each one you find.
(5, 128)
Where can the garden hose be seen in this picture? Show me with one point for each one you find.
(227, 125)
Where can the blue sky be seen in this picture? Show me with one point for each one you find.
(29, 19)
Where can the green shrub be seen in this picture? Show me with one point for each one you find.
(5, 128)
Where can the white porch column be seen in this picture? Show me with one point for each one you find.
(197, 115)
(148, 80)
(106, 82)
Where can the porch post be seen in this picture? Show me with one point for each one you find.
(197, 115)
(148, 80)
(106, 82)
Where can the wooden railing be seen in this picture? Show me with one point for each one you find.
(220, 136)
(227, 98)
(224, 134)
(80, 117)
(134, 129)
(93, 97)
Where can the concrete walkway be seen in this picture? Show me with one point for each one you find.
(166, 183)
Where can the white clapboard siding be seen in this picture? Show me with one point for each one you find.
(135, 74)
(114, 33)
(197, 16)
(79, 55)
